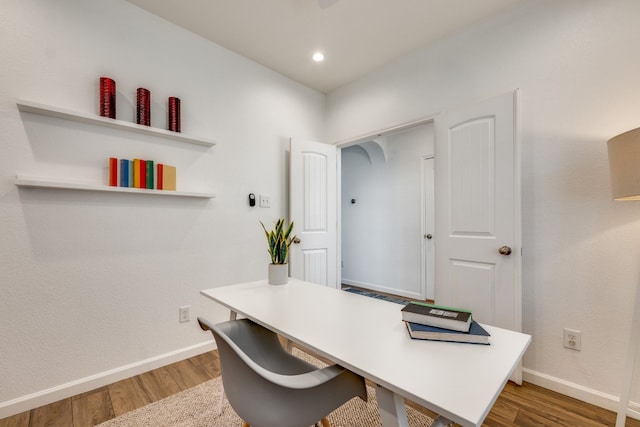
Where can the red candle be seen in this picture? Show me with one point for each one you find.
(174, 114)
(107, 107)
(143, 112)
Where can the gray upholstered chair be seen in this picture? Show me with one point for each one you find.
(269, 387)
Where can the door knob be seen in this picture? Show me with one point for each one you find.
(428, 236)
(296, 240)
(504, 250)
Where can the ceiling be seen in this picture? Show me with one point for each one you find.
(356, 36)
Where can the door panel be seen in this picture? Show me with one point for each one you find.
(313, 194)
(472, 144)
(477, 209)
(471, 287)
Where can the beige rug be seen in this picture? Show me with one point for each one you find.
(198, 407)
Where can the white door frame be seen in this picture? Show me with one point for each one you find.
(432, 119)
(355, 141)
(427, 289)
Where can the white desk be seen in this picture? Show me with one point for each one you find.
(460, 382)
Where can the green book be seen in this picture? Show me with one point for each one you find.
(439, 316)
(150, 171)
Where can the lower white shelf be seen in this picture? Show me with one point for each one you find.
(56, 184)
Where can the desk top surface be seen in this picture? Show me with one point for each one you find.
(366, 335)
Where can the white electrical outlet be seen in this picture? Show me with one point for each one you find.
(572, 339)
(185, 313)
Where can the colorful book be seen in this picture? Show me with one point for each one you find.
(476, 335)
(437, 315)
(136, 173)
(124, 173)
(159, 176)
(113, 172)
(168, 177)
(143, 174)
(149, 174)
(130, 166)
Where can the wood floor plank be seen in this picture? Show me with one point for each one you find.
(92, 408)
(208, 362)
(530, 392)
(186, 374)
(53, 415)
(548, 413)
(158, 384)
(504, 411)
(127, 395)
(19, 420)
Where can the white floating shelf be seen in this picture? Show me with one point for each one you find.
(56, 184)
(62, 113)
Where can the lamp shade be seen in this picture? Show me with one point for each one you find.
(624, 165)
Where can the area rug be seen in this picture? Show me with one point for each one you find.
(198, 407)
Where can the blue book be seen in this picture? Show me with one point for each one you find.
(130, 163)
(124, 173)
(476, 335)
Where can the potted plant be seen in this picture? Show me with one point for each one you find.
(278, 242)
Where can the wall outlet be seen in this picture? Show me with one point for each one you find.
(265, 201)
(572, 339)
(185, 313)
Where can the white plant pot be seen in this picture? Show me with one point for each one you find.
(278, 274)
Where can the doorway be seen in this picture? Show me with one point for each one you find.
(387, 213)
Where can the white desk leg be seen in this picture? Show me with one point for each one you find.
(391, 406)
(441, 421)
(232, 316)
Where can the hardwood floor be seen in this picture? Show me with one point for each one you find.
(523, 406)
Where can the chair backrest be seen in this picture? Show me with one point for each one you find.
(263, 382)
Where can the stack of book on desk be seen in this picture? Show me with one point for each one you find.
(433, 322)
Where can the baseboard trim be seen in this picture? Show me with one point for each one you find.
(63, 391)
(386, 290)
(577, 391)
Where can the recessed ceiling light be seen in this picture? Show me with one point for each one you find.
(318, 57)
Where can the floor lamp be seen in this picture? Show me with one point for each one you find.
(624, 166)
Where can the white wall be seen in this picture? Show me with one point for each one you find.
(381, 232)
(90, 284)
(578, 66)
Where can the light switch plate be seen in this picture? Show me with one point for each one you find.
(265, 201)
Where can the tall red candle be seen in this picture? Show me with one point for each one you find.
(143, 111)
(107, 107)
(173, 120)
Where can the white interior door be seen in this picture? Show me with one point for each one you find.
(428, 212)
(313, 208)
(477, 211)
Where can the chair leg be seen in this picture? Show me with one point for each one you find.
(221, 402)
(325, 422)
